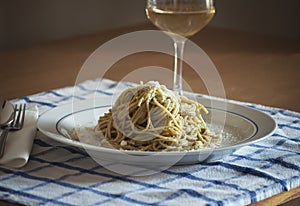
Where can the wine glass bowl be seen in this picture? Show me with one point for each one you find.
(181, 19)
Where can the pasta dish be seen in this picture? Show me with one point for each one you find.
(149, 117)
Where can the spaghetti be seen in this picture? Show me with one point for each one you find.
(150, 117)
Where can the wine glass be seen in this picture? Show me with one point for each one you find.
(180, 19)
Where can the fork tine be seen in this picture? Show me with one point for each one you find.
(23, 115)
(14, 116)
(19, 120)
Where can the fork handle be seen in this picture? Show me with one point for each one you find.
(3, 141)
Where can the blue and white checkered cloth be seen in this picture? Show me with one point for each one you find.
(61, 175)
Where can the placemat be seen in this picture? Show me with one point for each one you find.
(62, 175)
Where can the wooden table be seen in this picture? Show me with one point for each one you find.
(254, 68)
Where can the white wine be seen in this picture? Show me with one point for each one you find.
(183, 19)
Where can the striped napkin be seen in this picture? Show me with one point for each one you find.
(58, 174)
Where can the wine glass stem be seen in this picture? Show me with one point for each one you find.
(179, 47)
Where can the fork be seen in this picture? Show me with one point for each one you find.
(16, 124)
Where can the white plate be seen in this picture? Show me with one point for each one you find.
(245, 126)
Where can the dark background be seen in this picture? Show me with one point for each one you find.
(25, 23)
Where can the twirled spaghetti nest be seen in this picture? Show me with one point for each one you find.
(150, 117)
